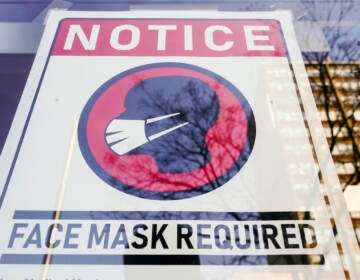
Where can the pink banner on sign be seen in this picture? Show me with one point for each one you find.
(169, 37)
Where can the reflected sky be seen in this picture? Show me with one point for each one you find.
(338, 20)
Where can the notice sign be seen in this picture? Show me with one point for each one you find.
(164, 145)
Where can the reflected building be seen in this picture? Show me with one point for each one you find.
(336, 89)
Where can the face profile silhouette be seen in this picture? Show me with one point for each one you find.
(167, 118)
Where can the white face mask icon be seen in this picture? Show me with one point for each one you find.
(124, 135)
(165, 119)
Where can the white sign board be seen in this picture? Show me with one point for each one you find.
(163, 145)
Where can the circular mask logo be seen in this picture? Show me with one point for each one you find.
(166, 131)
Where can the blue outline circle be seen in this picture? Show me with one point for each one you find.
(231, 172)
